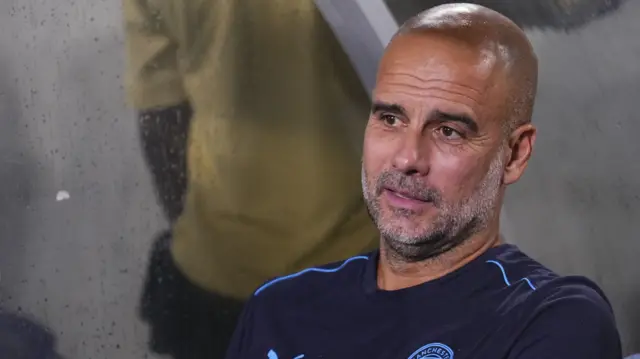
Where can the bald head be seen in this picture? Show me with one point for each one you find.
(494, 38)
(448, 130)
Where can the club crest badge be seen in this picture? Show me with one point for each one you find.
(433, 351)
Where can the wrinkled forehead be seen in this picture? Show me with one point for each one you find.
(423, 64)
(435, 57)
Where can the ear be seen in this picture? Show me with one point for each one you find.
(521, 143)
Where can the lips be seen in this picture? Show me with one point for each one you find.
(406, 195)
(405, 201)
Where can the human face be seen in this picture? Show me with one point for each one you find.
(433, 158)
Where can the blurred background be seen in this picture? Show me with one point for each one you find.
(78, 212)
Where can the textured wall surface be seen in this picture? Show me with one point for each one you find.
(76, 264)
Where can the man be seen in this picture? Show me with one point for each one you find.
(273, 181)
(448, 131)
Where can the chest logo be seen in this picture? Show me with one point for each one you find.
(433, 351)
(273, 355)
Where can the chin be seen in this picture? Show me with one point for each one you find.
(412, 234)
(413, 249)
(420, 245)
(408, 221)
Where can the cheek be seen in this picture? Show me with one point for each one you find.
(376, 152)
(454, 173)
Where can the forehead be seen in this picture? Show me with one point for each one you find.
(433, 69)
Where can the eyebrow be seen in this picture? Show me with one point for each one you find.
(435, 116)
(464, 119)
(391, 108)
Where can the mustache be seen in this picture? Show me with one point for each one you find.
(412, 186)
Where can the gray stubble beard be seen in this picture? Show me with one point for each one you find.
(454, 225)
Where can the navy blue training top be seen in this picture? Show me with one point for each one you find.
(502, 305)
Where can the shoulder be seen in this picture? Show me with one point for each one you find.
(573, 306)
(576, 296)
(574, 287)
(314, 280)
(565, 297)
(513, 266)
(572, 318)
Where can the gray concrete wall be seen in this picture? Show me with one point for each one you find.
(76, 265)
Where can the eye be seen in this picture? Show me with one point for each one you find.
(449, 133)
(389, 120)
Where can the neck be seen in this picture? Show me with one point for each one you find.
(395, 274)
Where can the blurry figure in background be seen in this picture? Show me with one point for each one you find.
(22, 338)
(275, 114)
(163, 134)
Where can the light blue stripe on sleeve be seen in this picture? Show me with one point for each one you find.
(319, 270)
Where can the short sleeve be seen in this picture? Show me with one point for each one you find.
(574, 321)
(153, 78)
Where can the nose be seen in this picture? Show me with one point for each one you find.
(411, 156)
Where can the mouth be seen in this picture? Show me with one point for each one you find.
(404, 200)
(404, 194)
